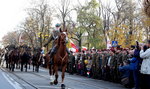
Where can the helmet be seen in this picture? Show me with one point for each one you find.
(58, 25)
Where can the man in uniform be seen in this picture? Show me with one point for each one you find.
(54, 37)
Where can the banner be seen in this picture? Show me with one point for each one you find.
(73, 45)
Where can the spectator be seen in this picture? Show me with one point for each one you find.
(145, 67)
(125, 70)
(134, 66)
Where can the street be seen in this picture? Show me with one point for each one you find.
(33, 80)
(6, 82)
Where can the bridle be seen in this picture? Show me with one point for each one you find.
(64, 39)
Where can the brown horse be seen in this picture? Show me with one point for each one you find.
(60, 59)
(36, 59)
(13, 58)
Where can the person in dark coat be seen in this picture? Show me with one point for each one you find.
(125, 74)
(134, 67)
(71, 63)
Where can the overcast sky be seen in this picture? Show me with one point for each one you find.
(12, 12)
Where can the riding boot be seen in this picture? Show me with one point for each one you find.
(53, 51)
(51, 58)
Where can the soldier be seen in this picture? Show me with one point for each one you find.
(54, 37)
(97, 65)
(118, 61)
(104, 64)
(10, 47)
(124, 55)
(112, 65)
(100, 58)
(94, 55)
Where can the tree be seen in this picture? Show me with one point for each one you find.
(64, 10)
(104, 13)
(147, 7)
(88, 20)
(11, 38)
(38, 23)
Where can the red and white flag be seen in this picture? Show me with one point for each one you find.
(84, 48)
(73, 45)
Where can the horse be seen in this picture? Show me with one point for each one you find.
(60, 59)
(36, 60)
(25, 57)
(6, 58)
(13, 57)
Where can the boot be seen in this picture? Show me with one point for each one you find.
(51, 58)
(52, 52)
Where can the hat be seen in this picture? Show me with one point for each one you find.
(58, 25)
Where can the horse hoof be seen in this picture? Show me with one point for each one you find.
(51, 83)
(55, 82)
(63, 86)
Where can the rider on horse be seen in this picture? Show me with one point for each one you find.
(54, 37)
(10, 47)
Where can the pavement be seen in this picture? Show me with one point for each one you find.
(34, 80)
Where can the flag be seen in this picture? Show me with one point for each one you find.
(73, 45)
(84, 48)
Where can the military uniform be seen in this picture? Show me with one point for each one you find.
(112, 67)
(53, 37)
(94, 56)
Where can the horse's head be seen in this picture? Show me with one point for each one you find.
(63, 37)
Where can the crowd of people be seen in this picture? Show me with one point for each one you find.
(131, 66)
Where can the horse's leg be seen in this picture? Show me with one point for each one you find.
(21, 66)
(10, 65)
(29, 64)
(51, 72)
(63, 76)
(56, 75)
(6, 64)
(16, 65)
(13, 66)
(33, 67)
(26, 66)
(37, 67)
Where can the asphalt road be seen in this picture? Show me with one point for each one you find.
(33, 80)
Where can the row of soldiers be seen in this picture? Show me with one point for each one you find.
(102, 64)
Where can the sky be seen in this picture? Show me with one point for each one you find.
(12, 13)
